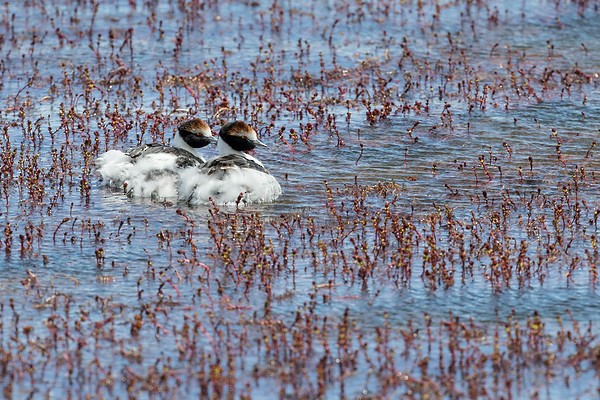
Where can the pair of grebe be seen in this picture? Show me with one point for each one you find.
(179, 171)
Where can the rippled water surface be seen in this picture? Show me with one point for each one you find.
(437, 232)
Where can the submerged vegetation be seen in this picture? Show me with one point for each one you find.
(437, 236)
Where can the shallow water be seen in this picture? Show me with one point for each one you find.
(513, 160)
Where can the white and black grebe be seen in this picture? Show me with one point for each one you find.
(234, 176)
(152, 170)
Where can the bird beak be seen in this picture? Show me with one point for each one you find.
(259, 143)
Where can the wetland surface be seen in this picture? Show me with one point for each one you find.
(437, 233)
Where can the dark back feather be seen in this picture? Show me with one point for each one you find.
(220, 166)
(184, 157)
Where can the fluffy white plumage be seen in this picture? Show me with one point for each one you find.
(242, 184)
(113, 166)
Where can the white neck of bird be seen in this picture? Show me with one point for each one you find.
(225, 149)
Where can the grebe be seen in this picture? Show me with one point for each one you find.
(234, 176)
(151, 170)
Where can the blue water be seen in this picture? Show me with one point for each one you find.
(98, 260)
